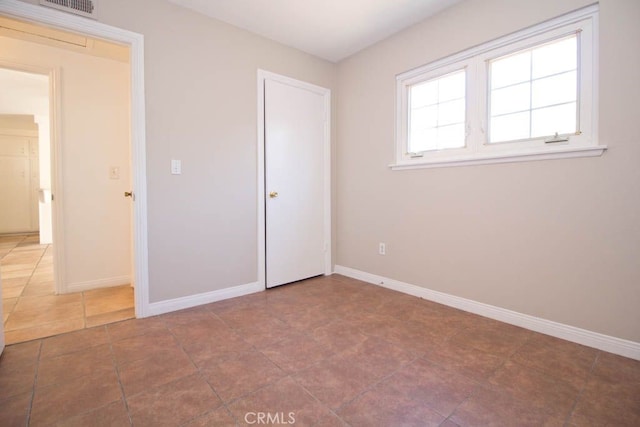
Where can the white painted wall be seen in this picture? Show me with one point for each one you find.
(558, 239)
(28, 93)
(94, 135)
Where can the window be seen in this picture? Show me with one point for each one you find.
(437, 116)
(533, 92)
(527, 96)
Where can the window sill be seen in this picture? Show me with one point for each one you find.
(487, 159)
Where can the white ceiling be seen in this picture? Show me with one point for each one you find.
(330, 29)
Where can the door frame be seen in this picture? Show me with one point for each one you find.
(64, 21)
(326, 94)
(53, 75)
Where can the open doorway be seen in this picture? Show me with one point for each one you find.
(89, 281)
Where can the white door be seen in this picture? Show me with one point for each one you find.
(294, 183)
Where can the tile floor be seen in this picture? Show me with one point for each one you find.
(31, 309)
(330, 351)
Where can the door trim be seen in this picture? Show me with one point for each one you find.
(326, 94)
(45, 16)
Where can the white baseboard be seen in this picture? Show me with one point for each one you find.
(570, 333)
(97, 284)
(167, 306)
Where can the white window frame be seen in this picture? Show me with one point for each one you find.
(478, 150)
(404, 106)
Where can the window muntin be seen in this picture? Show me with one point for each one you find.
(534, 92)
(437, 113)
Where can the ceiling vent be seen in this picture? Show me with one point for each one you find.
(87, 8)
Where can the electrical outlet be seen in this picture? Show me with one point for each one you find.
(382, 249)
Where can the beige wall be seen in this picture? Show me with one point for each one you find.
(201, 105)
(94, 136)
(556, 239)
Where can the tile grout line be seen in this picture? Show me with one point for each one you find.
(584, 387)
(35, 381)
(42, 256)
(485, 381)
(30, 276)
(512, 357)
(373, 385)
(366, 390)
(382, 379)
(292, 375)
(200, 375)
(335, 413)
(83, 301)
(117, 368)
(253, 348)
(26, 284)
(88, 411)
(253, 392)
(331, 410)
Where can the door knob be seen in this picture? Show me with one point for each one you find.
(273, 194)
(128, 194)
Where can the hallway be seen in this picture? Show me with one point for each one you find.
(31, 309)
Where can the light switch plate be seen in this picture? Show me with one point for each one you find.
(114, 172)
(176, 167)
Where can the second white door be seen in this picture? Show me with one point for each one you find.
(294, 183)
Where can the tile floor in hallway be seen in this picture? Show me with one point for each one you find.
(329, 351)
(31, 309)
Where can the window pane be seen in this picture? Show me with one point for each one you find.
(451, 112)
(510, 127)
(451, 136)
(425, 117)
(511, 70)
(451, 86)
(538, 102)
(510, 99)
(423, 140)
(555, 57)
(557, 89)
(438, 113)
(548, 121)
(424, 94)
